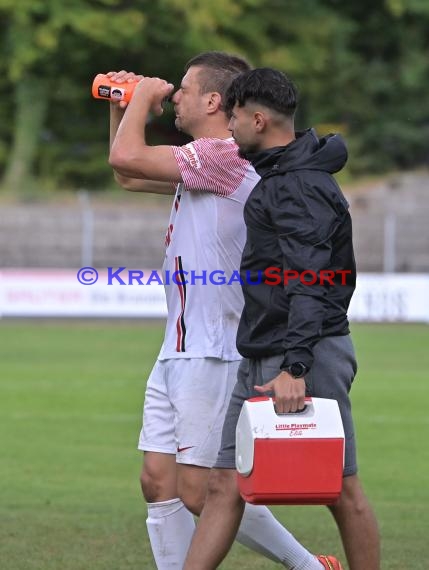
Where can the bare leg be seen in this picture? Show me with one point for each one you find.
(158, 478)
(192, 486)
(358, 526)
(215, 534)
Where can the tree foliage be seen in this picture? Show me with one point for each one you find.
(361, 67)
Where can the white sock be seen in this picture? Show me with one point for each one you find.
(170, 527)
(262, 532)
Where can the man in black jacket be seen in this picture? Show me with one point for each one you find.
(298, 276)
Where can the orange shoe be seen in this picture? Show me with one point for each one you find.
(329, 562)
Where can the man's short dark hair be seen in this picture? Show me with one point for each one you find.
(218, 70)
(266, 86)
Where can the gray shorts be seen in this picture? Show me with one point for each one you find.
(331, 376)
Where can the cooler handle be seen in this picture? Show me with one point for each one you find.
(307, 402)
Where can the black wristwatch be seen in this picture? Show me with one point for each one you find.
(297, 369)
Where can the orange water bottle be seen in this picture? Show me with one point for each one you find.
(104, 88)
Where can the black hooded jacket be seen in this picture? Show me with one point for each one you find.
(297, 221)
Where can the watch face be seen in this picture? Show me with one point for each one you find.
(298, 369)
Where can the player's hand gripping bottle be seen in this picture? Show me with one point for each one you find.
(104, 88)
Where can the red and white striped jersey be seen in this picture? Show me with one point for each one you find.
(204, 242)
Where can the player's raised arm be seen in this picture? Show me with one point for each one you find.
(117, 111)
(130, 156)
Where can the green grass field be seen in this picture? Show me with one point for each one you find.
(71, 394)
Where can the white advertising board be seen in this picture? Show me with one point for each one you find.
(390, 297)
(59, 293)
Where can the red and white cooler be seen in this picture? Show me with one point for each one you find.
(295, 458)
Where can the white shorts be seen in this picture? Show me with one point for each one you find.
(185, 404)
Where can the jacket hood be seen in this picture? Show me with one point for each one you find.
(306, 152)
